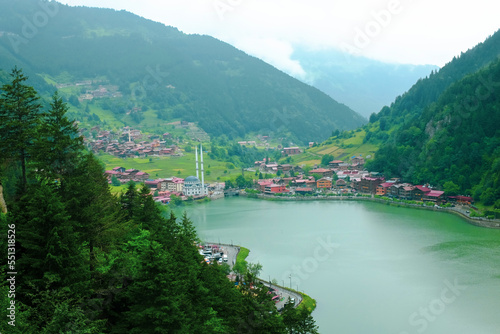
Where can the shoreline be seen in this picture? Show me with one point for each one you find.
(476, 221)
(303, 299)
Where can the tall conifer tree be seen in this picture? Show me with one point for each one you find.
(58, 145)
(20, 115)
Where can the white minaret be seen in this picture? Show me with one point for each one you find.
(202, 172)
(197, 175)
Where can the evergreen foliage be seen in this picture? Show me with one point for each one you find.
(19, 120)
(455, 142)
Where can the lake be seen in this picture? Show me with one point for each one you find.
(372, 268)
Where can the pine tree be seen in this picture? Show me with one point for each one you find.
(96, 213)
(58, 144)
(148, 214)
(20, 115)
(51, 251)
(130, 201)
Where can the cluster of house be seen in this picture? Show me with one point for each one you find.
(126, 175)
(354, 167)
(301, 184)
(100, 92)
(126, 144)
(395, 189)
(345, 177)
(163, 189)
(294, 179)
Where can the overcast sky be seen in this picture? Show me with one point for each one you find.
(398, 31)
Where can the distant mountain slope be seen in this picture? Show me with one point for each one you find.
(158, 68)
(363, 84)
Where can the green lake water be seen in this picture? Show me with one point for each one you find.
(372, 268)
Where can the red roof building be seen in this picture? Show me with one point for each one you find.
(461, 199)
(264, 183)
(383, 188)
(434, 196)
(275, 189)
(304, 190)
(419, 193)
(324, 183)
(291, 151)
(322, 172)
(369, 184)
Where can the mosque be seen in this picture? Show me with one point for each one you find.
(192, 184)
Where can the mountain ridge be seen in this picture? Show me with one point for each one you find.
(189, 77)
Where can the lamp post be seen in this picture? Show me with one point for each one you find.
(290, 281)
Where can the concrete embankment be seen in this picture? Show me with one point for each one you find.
(477, 221)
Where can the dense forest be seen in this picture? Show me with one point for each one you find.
(85, 261)
(455, 142)
(158, 68)
(424, 92)
(444, 131)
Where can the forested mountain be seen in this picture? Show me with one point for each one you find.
(445, 129)
(158, 68)
(426, 91)
(455, 142)
(363, 84)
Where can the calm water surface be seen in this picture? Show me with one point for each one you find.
(372, 268)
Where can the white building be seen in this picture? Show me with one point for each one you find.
(192, 184)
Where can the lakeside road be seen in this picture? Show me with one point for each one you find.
(232, 252)
(285, 295)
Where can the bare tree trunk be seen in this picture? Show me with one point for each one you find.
(3, 205)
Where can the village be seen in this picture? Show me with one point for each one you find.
(340, 178)
(346, 178)
(131, 143)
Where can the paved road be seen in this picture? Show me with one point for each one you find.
(232, 252)
(285, 294)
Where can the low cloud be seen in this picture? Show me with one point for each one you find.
(275, 52)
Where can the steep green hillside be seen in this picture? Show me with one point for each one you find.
(455, 143)
(426, 91)
(161, 73)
